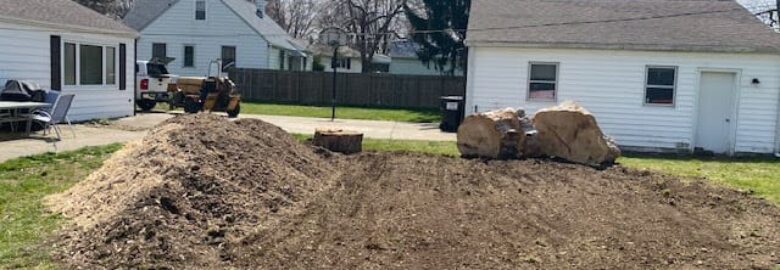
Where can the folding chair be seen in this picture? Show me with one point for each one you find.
(56, 116)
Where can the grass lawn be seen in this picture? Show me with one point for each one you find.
(25, 181)
(343, 112)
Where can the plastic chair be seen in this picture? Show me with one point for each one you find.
(56, 116)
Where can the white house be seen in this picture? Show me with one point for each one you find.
(66, 47)
(405, 60)
(197, 32)
(660, 75)
(349, 59)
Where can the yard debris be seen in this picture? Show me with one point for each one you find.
(569, 131)
(496, 134)
(201, 192)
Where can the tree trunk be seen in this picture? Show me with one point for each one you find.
(495, 135)
(340, 141)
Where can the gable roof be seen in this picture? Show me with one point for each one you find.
(62, 14)
(144, 12)
(403, 49)
(666, 25)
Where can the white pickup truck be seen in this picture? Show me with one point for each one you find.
(152, 82)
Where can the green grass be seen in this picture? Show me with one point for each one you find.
(343, 112)
(761, 175)
(24, 223)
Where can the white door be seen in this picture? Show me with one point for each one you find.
(716, 110)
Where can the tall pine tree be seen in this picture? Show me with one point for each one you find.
(439, 27)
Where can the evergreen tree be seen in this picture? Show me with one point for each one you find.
(439, 27)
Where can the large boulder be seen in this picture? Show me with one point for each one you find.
(570, 132)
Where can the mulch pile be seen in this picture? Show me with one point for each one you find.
(201, 192)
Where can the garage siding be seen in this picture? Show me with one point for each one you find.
(611, 85)
(25, 55)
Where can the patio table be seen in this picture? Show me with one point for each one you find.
(15, 107)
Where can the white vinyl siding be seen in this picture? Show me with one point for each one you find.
(178, 27)
(25, 55)
(611, 84)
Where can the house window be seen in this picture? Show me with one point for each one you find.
(189, 56)
(159, 50)
(228, 57)
(70, 64)
(660, 86)
(281, 60)
(110, 65)
(200, 10)
(543, 81)
(345, 63)
(91, 65)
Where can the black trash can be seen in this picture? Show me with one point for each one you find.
(452, 110)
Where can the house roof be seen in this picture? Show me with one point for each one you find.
(144, 12)
(403, 49)
(62, 14)
(666, 25)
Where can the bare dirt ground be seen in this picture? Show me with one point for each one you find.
(205, 193)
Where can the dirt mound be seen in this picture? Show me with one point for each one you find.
(245, 195)
(181, 195)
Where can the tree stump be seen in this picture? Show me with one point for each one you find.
(497, 135)
(338, 140)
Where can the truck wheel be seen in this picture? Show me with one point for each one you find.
(191, 106)
(146, 104)
(234, 113)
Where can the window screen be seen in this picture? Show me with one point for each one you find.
(661, 82)
(91, 65)
(543, 83)
(70, 64)
(189, 56)
(200, 10)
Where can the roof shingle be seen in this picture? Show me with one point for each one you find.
(673, 25)
(62, 13)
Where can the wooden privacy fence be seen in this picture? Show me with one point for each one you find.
(314, 88)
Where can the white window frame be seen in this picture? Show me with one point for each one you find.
(556, 82)
(205, 10)
(184, 56)
(78, 85)
(673, 87)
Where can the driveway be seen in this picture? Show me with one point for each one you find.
(134, 128)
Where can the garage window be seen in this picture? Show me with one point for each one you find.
(543, 81)
(110, 65)
(661, 85)
(91, 65)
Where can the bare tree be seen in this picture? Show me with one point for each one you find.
(297, 17)
(111, 8)
(373, 24)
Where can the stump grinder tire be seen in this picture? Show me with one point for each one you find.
(234, 113)
(191, 106)
(146, 104)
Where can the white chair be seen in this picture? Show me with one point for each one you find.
(58, 115)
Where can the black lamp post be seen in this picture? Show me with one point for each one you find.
(335, 38)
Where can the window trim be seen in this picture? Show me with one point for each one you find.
(530, 81)
(673, 87)
(184, 57)
(77, 71)
(205, 11)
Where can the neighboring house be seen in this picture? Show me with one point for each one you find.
(405, 60)
(66, 47)
(349, 60)
(198, 32)
(658, 75)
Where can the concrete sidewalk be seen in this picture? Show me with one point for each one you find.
(133, 128)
